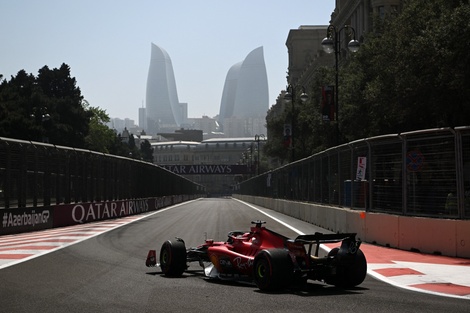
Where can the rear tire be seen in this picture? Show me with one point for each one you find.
(356, 274)
(273, 269)
(351, 275)
(173, 258)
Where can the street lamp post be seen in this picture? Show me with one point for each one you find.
(41, 117)
(257, 139)
(289, 97)
(331, 43)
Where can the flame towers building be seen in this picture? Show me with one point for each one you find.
(243, 107)
(163, 110)
(245, 97)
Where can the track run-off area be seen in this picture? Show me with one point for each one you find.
(100, 267)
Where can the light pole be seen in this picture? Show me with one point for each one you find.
(257, 139)
(331, 43)
(289, 97)
(40, 116)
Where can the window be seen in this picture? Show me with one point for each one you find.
(381, 10)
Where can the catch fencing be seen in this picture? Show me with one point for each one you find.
(36, 174)
(420, 173)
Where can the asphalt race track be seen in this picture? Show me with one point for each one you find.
(107, 273)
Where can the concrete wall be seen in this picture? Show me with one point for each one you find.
(428, 235)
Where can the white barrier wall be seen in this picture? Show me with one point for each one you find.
(428, 235)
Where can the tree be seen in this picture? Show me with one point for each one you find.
(413, 75)
(315, 134)
(50, 108)
(100, 137)
(16, 103)
(69, 121)
(146, 151)
(47, 107)
(275, 146)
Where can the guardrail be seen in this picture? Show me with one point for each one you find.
(34, 174)
(422, 173)
(430, 235)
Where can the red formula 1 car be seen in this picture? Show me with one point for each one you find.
(271, 260)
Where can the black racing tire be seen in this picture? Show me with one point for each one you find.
(349, 276)
(356, 274)
(332, 280)
(173, 258)
(273, 269)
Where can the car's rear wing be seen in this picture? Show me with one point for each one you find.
(320, 238)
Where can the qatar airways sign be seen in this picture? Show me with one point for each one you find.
(79, 213)
(206, 169)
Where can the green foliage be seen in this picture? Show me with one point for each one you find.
(50, 108)
(122, 148)
(147, 151)
(275, 146)
(43, 108)
(412, 73)
(100, 137)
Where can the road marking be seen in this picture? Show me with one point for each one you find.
(436, 275)
(18, 248)
(441, 276)
(272, 217)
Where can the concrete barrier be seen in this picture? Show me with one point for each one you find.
(428, 235)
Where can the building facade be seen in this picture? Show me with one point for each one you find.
(305, 53)
(360, 15)
(208, 125)
(219, 164)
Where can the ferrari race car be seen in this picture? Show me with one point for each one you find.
(271, 260)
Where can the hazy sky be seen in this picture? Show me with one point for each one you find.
(107, 44)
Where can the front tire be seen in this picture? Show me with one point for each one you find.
(173, 258)
(273, 269)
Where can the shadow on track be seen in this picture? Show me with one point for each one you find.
(309, 289)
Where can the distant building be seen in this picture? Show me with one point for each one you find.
(163, 110)
(125, 136)
(142, 118)
(217, 163)
(119, 125)
(208, 125)
(245, 97)
(183, 135)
